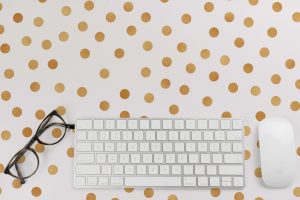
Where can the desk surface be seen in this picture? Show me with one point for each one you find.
(144, 58)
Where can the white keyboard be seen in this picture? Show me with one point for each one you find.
(200, 153)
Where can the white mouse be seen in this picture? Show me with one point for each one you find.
(277, 152)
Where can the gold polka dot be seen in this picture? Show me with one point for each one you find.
(165, 83)
(166, 61)
(298, 151)
(110, 17)
(186, 18)
(22, 159)
(104, 73)
(38, 21)
(181, 47)
(1, 168)
(166, 30)
(99, 36)
(264, 52)
(184, 89)
(277, 6)
(247, 154)
(36, 191)
(70, 152)
(16, 183)
(40, 114)
(296, 191)
(16, 111)
(46, 44)
(39, 148)
(253, 2)
(225, 60)
(207, 101)
(82, 26)
(82, 91)
(90, 196)
(205, 53)
(42, 1)
(257, 143)
(26, 40)
(63, 36)
(214, 32)
(131, 30)
(290, 63)
(145, 72)
(5, 95)
(239, 196)
(148, 192)
(52, 64)
(248, 22)
(89, 5)
(35, 86)
(33, 64)
(295, 106)
(209, 7)
(297, 84)
(119, 53)
(272, 32)
(27, 132)
(61, 110)
(128, 190)
(124, 94)
(173, 109)
(124, 114)
(275, 79)
(1, 29)
(9, 73)
(147, 45)
(255, 90)
(56, 133)
(215, 192)
(104, 105)
(229, 17)
(85, 53)
(247, 130)
(257, 172)
(128, 6)
(59, 87)
(233, 87)
(5, 48)
(149, 97)
(275, 100)
(52, 169)
(18, 17)
(66, 10)
(164, 1)
(190, 68)
(239, 42)
(172, 197)
(146, 17)
(213, 76)
(248, 68)
(260, 115)
(5, 135)
(296, 17)
(226, 114)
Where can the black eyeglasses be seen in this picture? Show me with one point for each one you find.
(25, 162)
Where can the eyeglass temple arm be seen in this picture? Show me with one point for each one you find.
(19, 173)
(70, 126)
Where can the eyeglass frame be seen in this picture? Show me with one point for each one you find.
(40, 130)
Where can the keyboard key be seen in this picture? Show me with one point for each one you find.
(103, 181)
(196, 135)
(238, 181)
(194, 158)
(104, 135)
(115, 135)
(179, 124)
(152, 181)
(135, 158)
(118, 169)
(214, 181)
(202, 147)
(184, 135)
(121, 147)
(190, 124)
(80, 181)
(164, 169)
(81, 135)
(147, 158)
(173, 135)
(170, 158)
(205, 158)
(155, 146)
(132, 124)
(213, 124)
(233, 158)
(188, 169)
(202, 124)
(167, 124)
(132, 146)
(161, 135)
(176, 169)
(98, 124)
(153, 169)
(116, 181)
(189, 181)
(92, 135)
(87, 169)
(106, 169)
(101, 158)
(84, 124)
(217, 158)
(112, 158)
(124, 158)
(150, 135)
(199, 169)
(237, 147)
(179, 147)
(92, 181)
(231, 170)
(203, 181)
(110, 124)
(158, 158)
(226, 147)
(138, 135)
(234, 135)
(141, 169)
(121, 124)
(237, 124)
(144, 147)
(214, 147)
(83, 146)
(208, 135)
(110, 146)
(182, 158)
(167, 147)
(211, 169)
(85, 158)
(98, 146)
(127, 135)
(144, 124)
(155, 124)
(219, 135)
(226, 124)
(190, 147)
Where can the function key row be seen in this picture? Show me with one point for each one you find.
(159, 124)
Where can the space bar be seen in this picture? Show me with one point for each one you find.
(152, 181)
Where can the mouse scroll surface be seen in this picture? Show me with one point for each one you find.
(277, 152)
